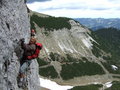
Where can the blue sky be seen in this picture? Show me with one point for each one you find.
(77, 8)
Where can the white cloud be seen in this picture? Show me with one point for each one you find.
(78, 8)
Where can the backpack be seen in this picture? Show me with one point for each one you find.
(37, 51)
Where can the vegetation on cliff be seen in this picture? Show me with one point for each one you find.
(50, 23)
(69, 71)
(87, 87)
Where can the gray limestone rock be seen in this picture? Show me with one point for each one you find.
(14, 25)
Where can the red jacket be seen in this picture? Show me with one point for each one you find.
(31, 51)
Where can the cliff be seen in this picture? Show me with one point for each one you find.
(14, 25)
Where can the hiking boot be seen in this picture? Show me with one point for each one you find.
(20, 84)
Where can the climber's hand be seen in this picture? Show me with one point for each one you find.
(22, 40)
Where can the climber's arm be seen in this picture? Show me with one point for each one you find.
(27, 46)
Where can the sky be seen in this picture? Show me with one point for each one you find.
(77, 8)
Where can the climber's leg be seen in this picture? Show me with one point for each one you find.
(22, 72)
(23, 67)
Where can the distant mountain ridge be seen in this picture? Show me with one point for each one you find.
(98, 23)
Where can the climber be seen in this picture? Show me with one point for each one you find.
(31, 51)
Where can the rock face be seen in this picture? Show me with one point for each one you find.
(14, 25)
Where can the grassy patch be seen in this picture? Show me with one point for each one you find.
(69, 71)
(57, 57)
(115, 86)
(41, 62)
(69, 58)
(116, 77)
(84, 59)
(49, 72)
(88, 87)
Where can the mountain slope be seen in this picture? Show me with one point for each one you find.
(111, 38)
(71, 52)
